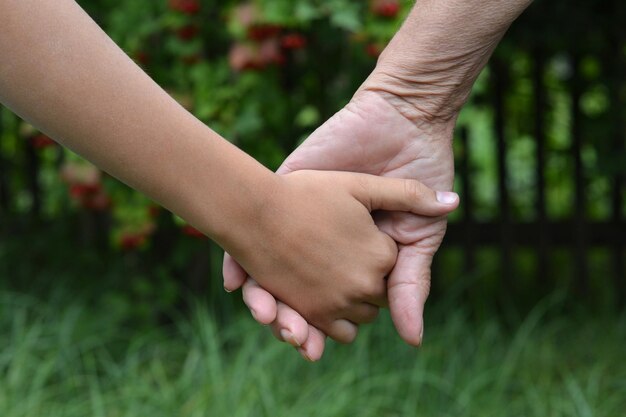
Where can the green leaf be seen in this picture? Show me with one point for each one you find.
(347, 18)
(307, 117)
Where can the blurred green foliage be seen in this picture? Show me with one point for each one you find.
(94, 278)
(264, 74)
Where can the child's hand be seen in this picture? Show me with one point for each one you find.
(316, 248)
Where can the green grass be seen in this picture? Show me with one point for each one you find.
(63, 358)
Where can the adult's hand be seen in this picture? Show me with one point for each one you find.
(399, 124)
(370, 135)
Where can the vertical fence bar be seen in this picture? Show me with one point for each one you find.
(500, 76)
(540, 157)
(619, 273)
(4, 183)
(580, 249)
(32, 176)
(198, 274)
(468, 215)
(615, 65)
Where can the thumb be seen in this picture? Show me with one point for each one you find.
(394, 194)
(285, 168)
(408, 288)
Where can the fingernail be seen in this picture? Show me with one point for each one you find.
(289, 337)
(227, 290)
(303, 353)
(253, 314)
(447, 197)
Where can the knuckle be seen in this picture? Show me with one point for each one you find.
(386, 255)
(370, 315)
(373, 288)
(424, 285)
(413, 190)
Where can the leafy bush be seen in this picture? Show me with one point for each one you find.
(262, 73)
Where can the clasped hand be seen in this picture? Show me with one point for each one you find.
(345, 274)
(325, 256)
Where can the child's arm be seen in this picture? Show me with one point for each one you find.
(314, 244)
(59, 71)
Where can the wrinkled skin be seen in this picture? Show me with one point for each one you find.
(370, 135)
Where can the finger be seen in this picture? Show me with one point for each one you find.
(408, 289)
(375, 291)
(343, 331)
(407, 228)
(285, 168)
(380, 300)
(234, 274)
(290, 326)
(394, 194)
(363, 313)
(261, 303)
(313, 349)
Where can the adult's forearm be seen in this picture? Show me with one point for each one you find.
(434, 59)
(62, 73)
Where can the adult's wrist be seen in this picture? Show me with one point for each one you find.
(428, 69)
(418, 98)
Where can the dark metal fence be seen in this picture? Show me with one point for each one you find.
(582, 35)
(578, 233)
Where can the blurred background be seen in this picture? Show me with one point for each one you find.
(112, 306)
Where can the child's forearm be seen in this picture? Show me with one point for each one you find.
(62, 73)
(308, 237)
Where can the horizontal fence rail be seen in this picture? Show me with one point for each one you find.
(578, 232)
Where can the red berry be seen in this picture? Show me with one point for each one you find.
(191, 59)
(270, 53)
(142, 58)
(90, 196)
(293, 41)
(262, 32)
(96, 202)
(42, 141)
(130, 242)
(79, 191)
(188, 32)
(154, 211)
(373, 50)
(193, 232)
(243, 57)
(386, 8)
(92, 188)
(185, 6)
